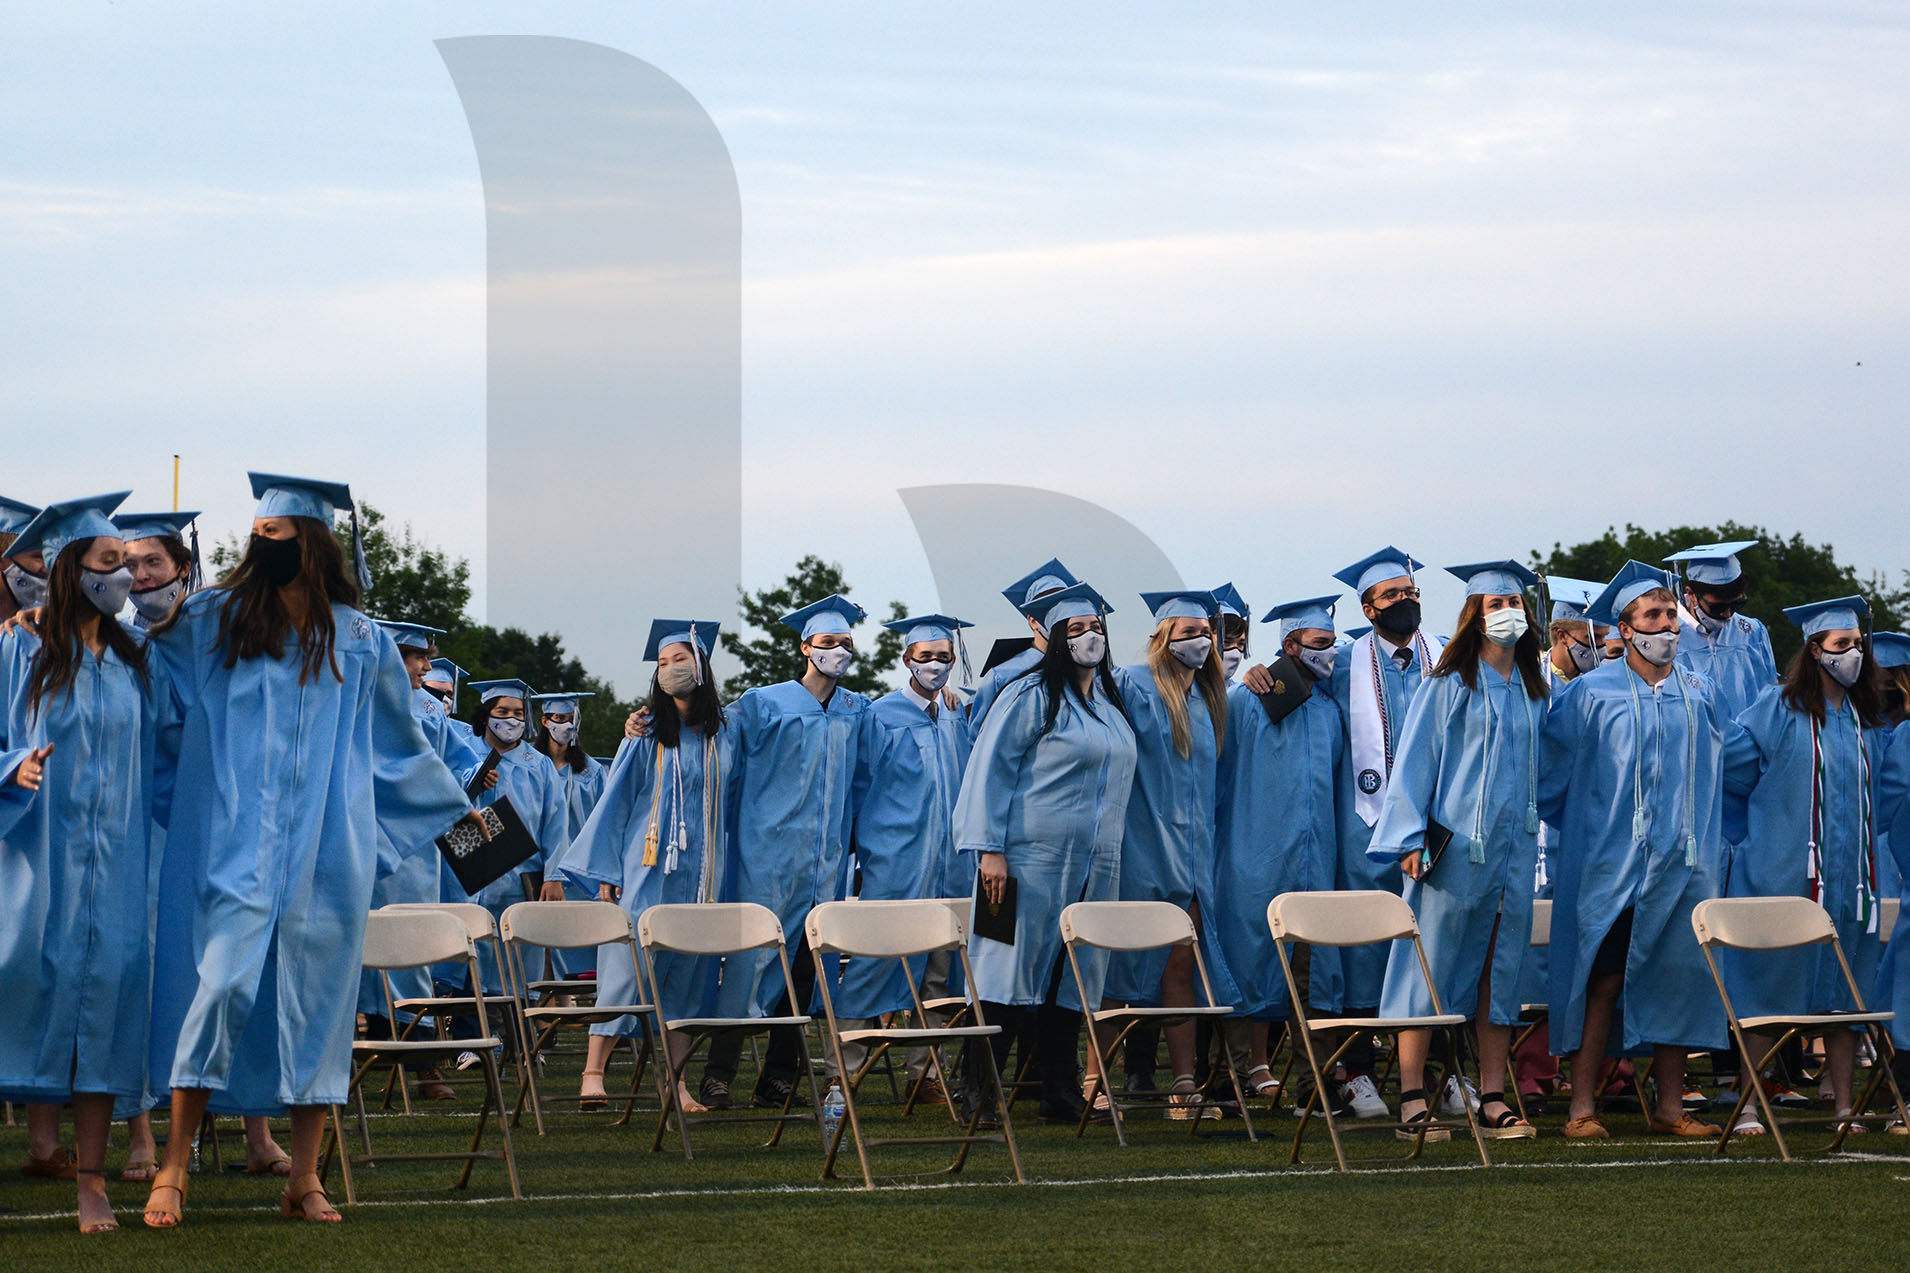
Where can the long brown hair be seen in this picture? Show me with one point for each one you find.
(1461, 655)
(1209, 677)
(56, 665)
(253, 622)
(1803, 686)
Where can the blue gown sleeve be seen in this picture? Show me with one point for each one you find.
(1893, 795)
(616, 825)
(15, 800)
(1401, 828)
(415, 798)
(1006, 743)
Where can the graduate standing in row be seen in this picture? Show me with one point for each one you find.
(22, 571)
(1049, 577)
(581, 778)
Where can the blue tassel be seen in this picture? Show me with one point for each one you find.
(1476, 851)
(1691, 849)
(1531, 819)
(358, 554)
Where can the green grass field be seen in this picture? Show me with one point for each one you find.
(598, 1197)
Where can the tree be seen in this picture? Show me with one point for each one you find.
(1778, 573)
(776, 656)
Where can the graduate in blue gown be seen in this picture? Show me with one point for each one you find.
(796, 751)
(657, 835)
(300, 755)
(1277, 809)
(1468, 764)
(1728, 648)
(83, 722)
(1044, 800)
(1893, 826)
(1630, 774)
(1236, 624)
(1049, 577)
(165, 567)
(559, 719)
(1802, 770)
(22, 573)
(1177, 703)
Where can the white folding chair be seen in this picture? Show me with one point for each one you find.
(1135, 926)
(1765, 924)
(710, 930)
(949, 1010)
(546, 926)
(1355, 918)
(398, 940)
(901, 930)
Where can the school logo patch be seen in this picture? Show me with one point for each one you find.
(1744, 624)
(361, 627)
(1369, 781)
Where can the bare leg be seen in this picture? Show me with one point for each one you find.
(142, 1151)
(262, 1153)
(1177, 990)
(1668, 1072)
(188, 1108)
(43, 1130)
(92, 1120)
(679, 1045)
(595, 1058)
(1413, 1047)
(1495, 1045)
(1588, 1063)
(308, 1133)
(1840, 1058)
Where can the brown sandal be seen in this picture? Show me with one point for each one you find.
(1587, 1127)
(292, 1201)
(1686, 1124)
(280, 1164)
(57, 1165)
(175, 1179)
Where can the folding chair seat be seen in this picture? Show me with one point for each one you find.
(1768, 924)
(1135, 926)
(442, 1009)
(547, 926)
(712, 930)
(397, 940)
(901, 930)
(1355, 918)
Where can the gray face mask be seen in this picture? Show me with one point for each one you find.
(28, 589)
(1088, 649)
(1190, 651)
(1318, 663)
(1584, 657)
(1230, 661)
(506, 729)
(834, 661)
(155, 604)
(108, 589)
(678, 680)
(1844, 668)
(1656, 648)
(564, 733)
(930, 674)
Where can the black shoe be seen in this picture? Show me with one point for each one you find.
(774, 1093)
(989, 1119)
(714, 1092)
(1061, 1107)
(1140, 1083)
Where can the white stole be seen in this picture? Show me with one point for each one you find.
(1373, 732)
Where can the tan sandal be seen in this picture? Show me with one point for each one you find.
(280, 1164)
(1587, 1127)
(138, 1171)
(57, 1165)
(175, 1179)
(292, 1201)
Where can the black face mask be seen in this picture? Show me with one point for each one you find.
(1401, 619)
(278, 559)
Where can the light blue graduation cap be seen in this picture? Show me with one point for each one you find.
(1890, 649)
(1231, 602)
(698, 634)
(14, 515)
(281, 496)
(1494, 578)
(177, 524)
(1049, 576)
(935, 627)
(1633, 580)
(1186, 603)
(445, 672)
(1075, 601)
(409, 636)
(508, 687)
(834, 613)
(562, 703)
(1312, 612)
(62, 523)
(1387, 563)
(1712, 565)
(1571, 598)
(1828, 616)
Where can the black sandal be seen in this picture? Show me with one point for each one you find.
(1409, 1128)
(1508, 1125)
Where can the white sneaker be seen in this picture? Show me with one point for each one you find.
(1363, 1095)
(1748, 1124)
(467, 1060)
(1456, 1095)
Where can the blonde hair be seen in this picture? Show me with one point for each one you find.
(1168, 672)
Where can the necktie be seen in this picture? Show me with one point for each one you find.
(932, 705)
(1403, 657)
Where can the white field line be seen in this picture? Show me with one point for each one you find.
(846, 1189)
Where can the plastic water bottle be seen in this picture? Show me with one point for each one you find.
(832, 1107)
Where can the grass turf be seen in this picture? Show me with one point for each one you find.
(598, 1195)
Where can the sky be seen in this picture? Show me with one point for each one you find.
(1276, 285)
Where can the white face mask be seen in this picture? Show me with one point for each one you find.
(930, 674)
(562, 732)
(1505, 627)
(155, 604)
(506, 729)
(1656, 648)
(1319, 663)
(108, 589)
(1230, 660)
(834, 661)
(1088, 649)
(1844, 668)
(677, 680)
(1191, 651)
(28, 589)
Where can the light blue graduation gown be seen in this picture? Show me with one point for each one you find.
(994, 680)
(1594, 738)
(1363, 968)
(1055, 804)
(1466, 760)
(1167, 845)
(537, 793)
(1276, 830)
(1893, 818)
(581, 793)
(640, 798)
(1767, 775)
(906, 786)
(78, 869)
(1535, 976)
(283, 793)
(791, 809)
(1737, 662)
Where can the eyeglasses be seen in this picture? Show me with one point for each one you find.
(1395, 594)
